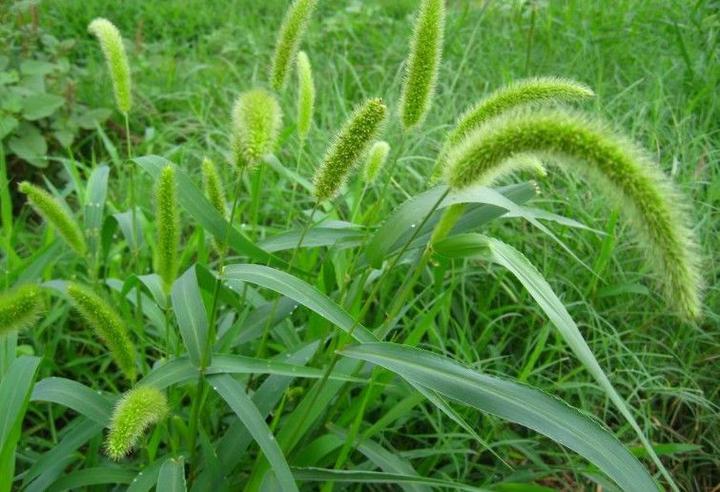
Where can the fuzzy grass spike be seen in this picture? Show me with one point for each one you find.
(213, 187)
(635, 183)
(376, 160)
(167, 222)
(423, 62)
(137, 410)
(19, 308)
(349, 145)
(56, 214)
(256, 123)
(107, 324)
(306, 95)
(288, 40)
(112, 47)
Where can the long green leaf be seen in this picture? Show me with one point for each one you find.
(172, 476)
(515, 402)
(191, 315)
(359, 476)
(100, 475)
(74, 395)
(95, 195)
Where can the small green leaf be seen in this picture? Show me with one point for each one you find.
(41, 106)
(172, 476)
(191, 315)
(29, 145)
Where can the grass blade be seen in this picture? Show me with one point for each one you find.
(77, 396)
(358, 476)
(191, 315)
(172, 476)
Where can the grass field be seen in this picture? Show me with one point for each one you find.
(655, 69)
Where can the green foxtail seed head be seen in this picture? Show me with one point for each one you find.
(636, 184)
(288, 40)
(349, 145)
(256, 123)
(19, 308)
(117, 62)
(56, 214)
(306, 95)
(139, 408)
(533, 91)
(377, 155)
(107, 324)
(167, 223)
(213, 187)
(422, 65)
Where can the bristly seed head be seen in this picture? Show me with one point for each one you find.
(377, 155)
(256, 123)
(288, 40)
(117, 62)
(349, 145)
(167, 222)
(306, 95)
(19, 308)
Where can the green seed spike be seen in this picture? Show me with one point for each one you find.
(256, 123)
(117, 62)
(167, 223)
(138, 409)
(19, 308)
(635, 183)
(213, 187)
(306, 95)
(107, 324)
(532, 91)
(56, 214)
(288, 40)
(422, 65)
(349, 145)
(376, 160)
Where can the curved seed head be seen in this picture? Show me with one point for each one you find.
(139, 408)
(349, 145)
(288, 40)
(306, 95)
(167, 222)
(534, 91)
(376, 160)
(56, 214)
(256, 123)
(213, 187)
(117, 62)
(423, 62)
(19, 308)
(107, 324)
(617, 165)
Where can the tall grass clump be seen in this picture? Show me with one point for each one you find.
(257, 118)
(348, 147)
(114, 51)
(107, 324)
(305, 95)
(616, 164)
(56, 214)
(167, 223)
(422, 64)
(288, 40)
(137, 410)
(20, 308)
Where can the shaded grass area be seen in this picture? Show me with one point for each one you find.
(655, 69)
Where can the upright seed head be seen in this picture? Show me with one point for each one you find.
(534, 91)
(423, 62)
(288, 40)
(306, 95)
(349, 145)
(56, 214)
(256, 123)
(139, 408)
(19, 308)
(117, 62)
(213, 187)
(619, 166)
(167, 222)
(376, 160)
(107, 324)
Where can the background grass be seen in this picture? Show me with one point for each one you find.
(655, 68)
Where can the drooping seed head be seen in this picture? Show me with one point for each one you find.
(167, 223)
(377, 155)
(349, 145)
(116, 59)
(137, 410)
(256, 123)
(19, 308)
(56, 214)
(621, 169)
(421, 69)
(535, 91)
(213, 187)
(107, 324)
(288, 40)
(306, 95)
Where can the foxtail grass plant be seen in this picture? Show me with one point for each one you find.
(288, 40)
(116, 59)
(305, 95)
(167, 222)
(20, 308)
(256, 123)
(137, 410)
(375, 160)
